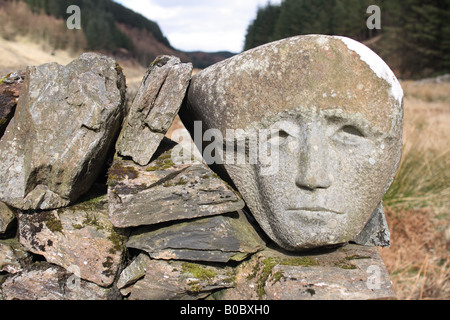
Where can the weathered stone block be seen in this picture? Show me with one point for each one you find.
(77, 238)
(164, 191)
(7, 216)
(44, 281)
(155, 107)
(348, 273)
(66, 120)
(176, 280)
(217, 239)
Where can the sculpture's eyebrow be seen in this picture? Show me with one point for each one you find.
(355, 120)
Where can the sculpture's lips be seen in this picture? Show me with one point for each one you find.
(313, 209)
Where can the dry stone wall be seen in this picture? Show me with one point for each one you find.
(76, 224)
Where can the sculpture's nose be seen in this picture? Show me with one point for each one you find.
(313, 170)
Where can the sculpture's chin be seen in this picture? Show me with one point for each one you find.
(307, 246)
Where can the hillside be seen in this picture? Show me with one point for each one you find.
(106, 26)
(414, 42)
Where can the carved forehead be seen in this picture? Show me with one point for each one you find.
(323, 72)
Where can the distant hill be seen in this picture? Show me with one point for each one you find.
(107, 27)
(203, 60)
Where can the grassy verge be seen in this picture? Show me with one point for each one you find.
(417, 204)
(423, 181)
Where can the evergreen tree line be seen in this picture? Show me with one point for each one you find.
(98, 21)
(414, 37)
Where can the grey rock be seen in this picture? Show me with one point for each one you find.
(223, 238)
(77, 238)
(164, 191)
(376, 232)
(349, 273)
(135, 271)
(154, 108)
(7, 216)
(176, 280)
(13, 256)
(335, 111)
(66, 120)
(10, 87)
(49, 282)
(9, 262)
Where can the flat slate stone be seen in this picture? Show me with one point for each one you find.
(9, 260)
(134, 271)
(164, 191)
(352, 272)
(215, 239)
(44, 281)
(176, 280)
(77, 238)
(376, 232)
(7, 216)
(155, 107)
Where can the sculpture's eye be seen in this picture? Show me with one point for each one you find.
(280, 133)
(349, 135)
(278, 137)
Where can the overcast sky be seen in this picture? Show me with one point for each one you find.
(206, 25)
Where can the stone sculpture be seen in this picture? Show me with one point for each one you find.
(333, 113)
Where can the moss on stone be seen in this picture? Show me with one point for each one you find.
(117, 240)
(3, 79)
(268, 265)
(344, 264)
(92, 204)
(109, 267)
(119, 172)
(231, 279)
(172, 183)
(89, 220)
(119, 68)
(197, 271)
(53, 223)
(299, 261)
(263, 270)
(357, 257)
(240, 256)
(157, 62)
(164, 162)
(277, 276)
(195, 287)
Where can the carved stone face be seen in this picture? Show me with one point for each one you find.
(338, 112)
(333, 171)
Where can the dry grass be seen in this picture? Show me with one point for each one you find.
(418, 259)
(16, 55)
(51, 33)
(37, 39)
(418, 209)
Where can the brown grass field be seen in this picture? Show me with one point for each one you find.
(417, 206)
(418, 209)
